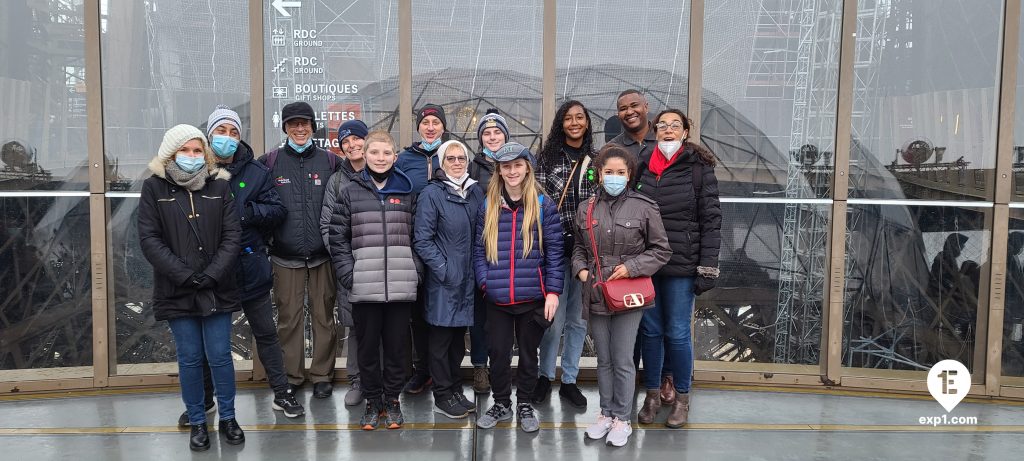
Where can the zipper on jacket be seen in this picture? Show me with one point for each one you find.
(512, 262)
(384, 225)
(193, 205)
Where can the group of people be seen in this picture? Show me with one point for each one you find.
(411, 248)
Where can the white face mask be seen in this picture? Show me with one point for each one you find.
(669, 148)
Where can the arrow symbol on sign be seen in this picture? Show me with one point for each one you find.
(281, 5)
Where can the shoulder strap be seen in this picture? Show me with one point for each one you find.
(568, 182)
(593, 241)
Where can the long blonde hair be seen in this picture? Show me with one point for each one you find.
(531, 214)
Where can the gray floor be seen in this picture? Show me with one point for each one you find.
(724, 424)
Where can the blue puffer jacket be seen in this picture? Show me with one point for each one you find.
(260, 210)
(444, 235)
(516, 280)
(419, 165)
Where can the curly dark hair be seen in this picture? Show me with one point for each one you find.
(552, 147)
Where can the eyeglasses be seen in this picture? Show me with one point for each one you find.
(676, 126)
(453, 159)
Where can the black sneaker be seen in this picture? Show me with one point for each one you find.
(393, 414)
(542, 390)
(418, 383)
(371, 416)
(450, 407)
(466, 403)
(571, 392)
(183, 419)
(286, 402)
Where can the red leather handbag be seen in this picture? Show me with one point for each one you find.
(620, 294)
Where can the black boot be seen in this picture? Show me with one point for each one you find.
(200, 438)
(231, 431)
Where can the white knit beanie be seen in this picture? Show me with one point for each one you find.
(221, 115)
(176, 137)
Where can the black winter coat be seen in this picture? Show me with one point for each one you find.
(183, 232)
(259, 210)
(693, 224)
(481, 170)
(300, 180)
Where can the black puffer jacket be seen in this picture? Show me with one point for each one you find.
(300, 180)
(693, 224)
(177, 248)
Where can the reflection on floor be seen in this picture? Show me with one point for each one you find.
(725, 423)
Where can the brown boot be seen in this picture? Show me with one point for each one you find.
(680, 410)
(668, 391)
(652, 403)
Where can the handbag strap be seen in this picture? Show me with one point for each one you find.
(593, 241)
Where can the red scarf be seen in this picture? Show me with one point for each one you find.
(659, 163)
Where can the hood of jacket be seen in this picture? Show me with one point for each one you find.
(159, 168)
(398, 182)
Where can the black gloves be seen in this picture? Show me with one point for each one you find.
(201, 281)
(702, 284)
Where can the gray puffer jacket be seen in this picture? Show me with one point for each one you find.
(629, 231)
(370, 237)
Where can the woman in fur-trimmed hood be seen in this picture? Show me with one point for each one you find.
(189, 231)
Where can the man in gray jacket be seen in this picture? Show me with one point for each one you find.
(637, 135)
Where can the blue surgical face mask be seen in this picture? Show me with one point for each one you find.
(614, 184)
(489, 153)
(189, 164)
(223, 146)
(429, 146)
(298, 148)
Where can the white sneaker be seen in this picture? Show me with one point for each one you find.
(600, 428)
(619, 433)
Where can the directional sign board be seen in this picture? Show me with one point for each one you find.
(334, 55)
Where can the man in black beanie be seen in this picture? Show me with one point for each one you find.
(300, 170)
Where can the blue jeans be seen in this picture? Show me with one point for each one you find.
(477, 332)
(665, 331)
(569, 318)
(194, 338)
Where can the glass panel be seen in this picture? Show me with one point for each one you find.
(46, 303)
(1013, 314)
(605, 47)
(340, 58)
(913, 285)
(166, 63)
(921, 131)
(769, 104)
(42, 89)
(140, 337)
(768, 301)
(469, 69)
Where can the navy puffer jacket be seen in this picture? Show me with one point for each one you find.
(514, 279)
